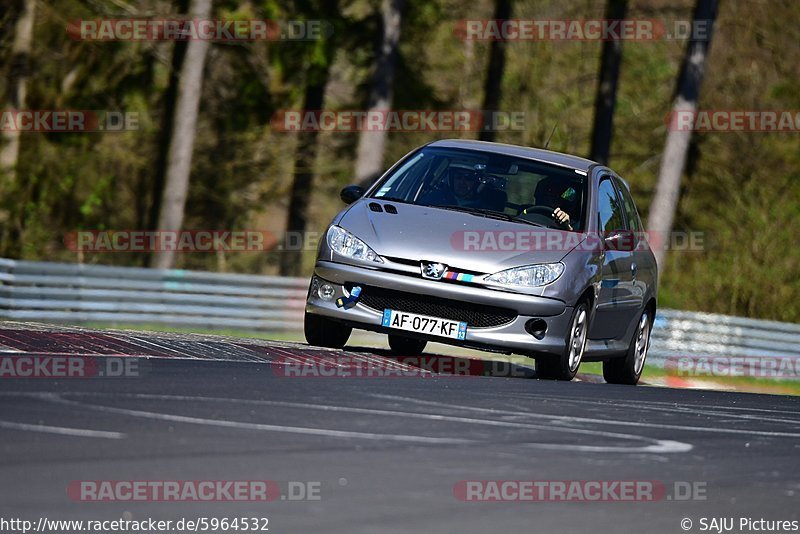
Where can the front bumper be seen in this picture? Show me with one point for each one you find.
(509, 337)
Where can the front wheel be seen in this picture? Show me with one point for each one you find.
(628, 370)
(323, 332)
(565, 367)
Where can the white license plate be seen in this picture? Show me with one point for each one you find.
(424, 324)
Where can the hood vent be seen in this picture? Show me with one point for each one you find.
(390, 209)
(374, 206)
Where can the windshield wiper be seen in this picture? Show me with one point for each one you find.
(483, 212)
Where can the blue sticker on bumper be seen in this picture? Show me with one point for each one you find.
(352, 300)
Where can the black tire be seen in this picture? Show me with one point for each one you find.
(406, 346)
(628, 370)
(323, 332)
(565, 366)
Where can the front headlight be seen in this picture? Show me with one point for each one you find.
(528, 276)
(343, 242)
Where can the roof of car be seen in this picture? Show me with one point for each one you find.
(546, 156)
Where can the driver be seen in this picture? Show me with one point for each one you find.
(459, 187)
(464, 184)
(553, 194)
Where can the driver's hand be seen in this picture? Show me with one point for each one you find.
(562, 217)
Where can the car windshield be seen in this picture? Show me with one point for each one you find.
(489, 185)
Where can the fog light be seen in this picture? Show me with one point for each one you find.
(326, 292)
(536, 328)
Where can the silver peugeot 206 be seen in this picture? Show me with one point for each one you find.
(495, 247)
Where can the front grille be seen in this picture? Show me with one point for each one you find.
(475, 315)
(417, 264)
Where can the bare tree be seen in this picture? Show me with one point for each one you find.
(164, 136)
(687, 92)
(371, 144)
(17, 87)
(306, 151)
(611, 57)
(181, 144)
(492, 89)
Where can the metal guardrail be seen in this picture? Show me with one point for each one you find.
(81, 294)
(694, 334)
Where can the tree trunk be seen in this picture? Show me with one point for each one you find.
(611, 57)
(17, 88)
(164, 136)
(369, 160)
(673, 161)
(492, 89)
(306, 151)
(179, 158)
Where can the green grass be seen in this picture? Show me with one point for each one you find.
(739, 383)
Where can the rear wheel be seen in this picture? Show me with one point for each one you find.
(566, 366)
(628, 370)
(406, 346)
(323, 332)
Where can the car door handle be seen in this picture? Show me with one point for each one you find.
(634, 270)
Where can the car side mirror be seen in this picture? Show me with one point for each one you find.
(623, 240)
(351, 193)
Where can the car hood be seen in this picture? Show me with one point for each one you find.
(457, 239)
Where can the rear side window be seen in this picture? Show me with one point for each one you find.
(609, 207)
(634, 222)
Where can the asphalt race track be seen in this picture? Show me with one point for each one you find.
(382, 454)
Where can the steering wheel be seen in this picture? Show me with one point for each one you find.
(538, 210)
(542, 215)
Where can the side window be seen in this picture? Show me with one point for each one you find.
(634, 223)
(609, 208)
